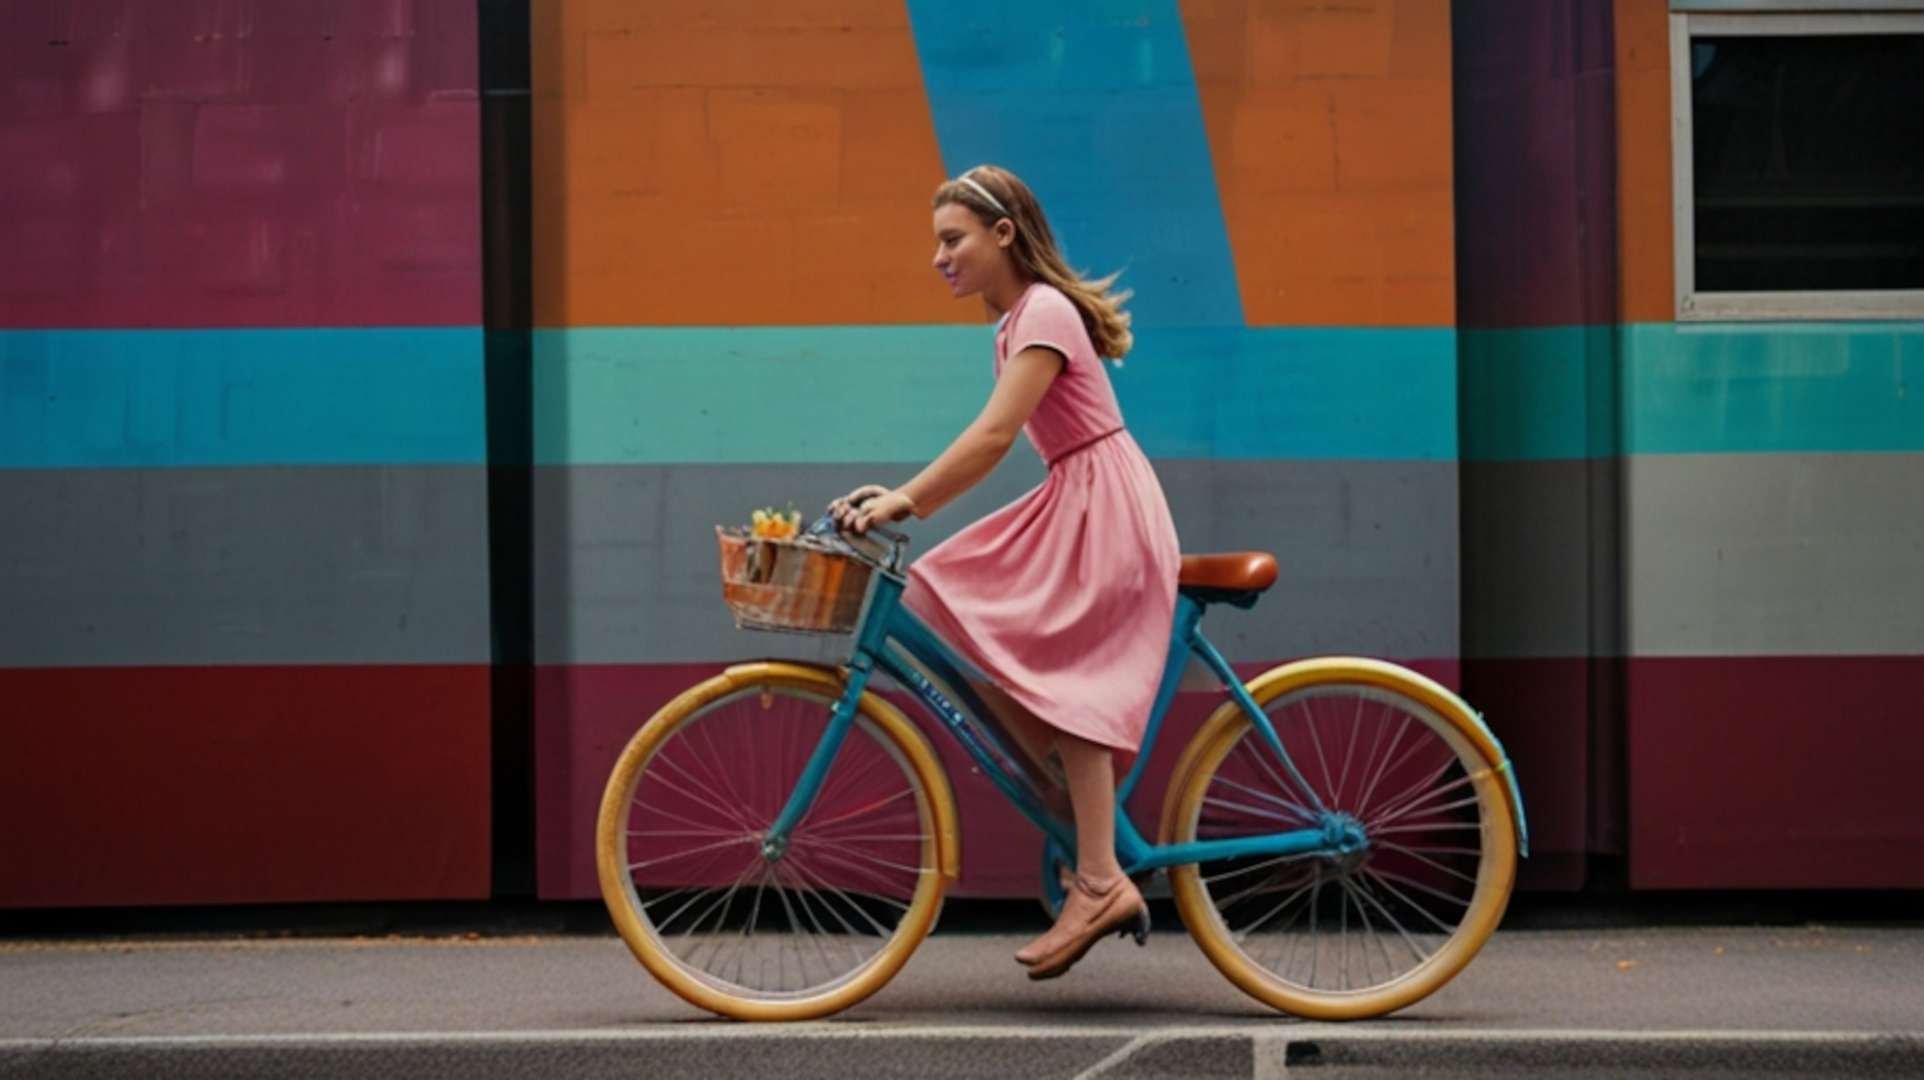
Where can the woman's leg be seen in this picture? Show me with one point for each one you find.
(1091, 769)
(1101, 899)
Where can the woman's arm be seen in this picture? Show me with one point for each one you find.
(977, 450)
(982, 445)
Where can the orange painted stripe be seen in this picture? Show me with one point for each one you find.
(763, 162)
(1329, 129)
(1647, 242)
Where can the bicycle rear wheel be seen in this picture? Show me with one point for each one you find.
(799, 933)
(1345, 936)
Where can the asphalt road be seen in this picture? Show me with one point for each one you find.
(1594, 1003)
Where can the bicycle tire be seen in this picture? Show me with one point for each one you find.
(1435, 875)
(826, 922)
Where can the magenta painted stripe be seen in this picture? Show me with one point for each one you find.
(182, 164)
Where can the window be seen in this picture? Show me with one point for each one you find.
(1799, 162)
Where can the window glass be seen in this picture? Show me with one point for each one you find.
(1808, 162)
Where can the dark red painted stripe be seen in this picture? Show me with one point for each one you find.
(1776, 772)
(585, 714)
(138, 786)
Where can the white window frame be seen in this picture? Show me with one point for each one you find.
(1761, 18)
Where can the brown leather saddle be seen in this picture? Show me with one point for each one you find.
(1237, 578)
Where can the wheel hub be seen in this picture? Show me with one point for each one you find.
(1348, 843)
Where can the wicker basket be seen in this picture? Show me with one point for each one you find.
(790, 585)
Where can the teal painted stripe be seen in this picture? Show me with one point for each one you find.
(734, 395)
(642, 395)
(168, 398)
(1288, 393)
(1538, 394)
(1773, 387)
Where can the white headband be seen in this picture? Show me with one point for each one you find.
(984, 192)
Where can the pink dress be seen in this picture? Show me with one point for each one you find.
(1065, 597)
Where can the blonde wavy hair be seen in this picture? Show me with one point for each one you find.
(993, 193)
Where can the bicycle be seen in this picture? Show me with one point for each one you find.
(1340, 835)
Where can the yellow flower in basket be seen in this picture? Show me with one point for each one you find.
(772, 524)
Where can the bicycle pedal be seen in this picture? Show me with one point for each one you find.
(1153, 885)
(1140, 928)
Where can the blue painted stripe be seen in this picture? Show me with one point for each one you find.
(1100, 115)
(157, 398)
(644, 395)
(1538, 394)
(1774, 387)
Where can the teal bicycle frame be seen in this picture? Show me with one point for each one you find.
(892, 638)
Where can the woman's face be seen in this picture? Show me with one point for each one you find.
(969, 254)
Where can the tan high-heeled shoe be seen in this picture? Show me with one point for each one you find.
(1113, 906)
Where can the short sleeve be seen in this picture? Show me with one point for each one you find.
(1051, 321)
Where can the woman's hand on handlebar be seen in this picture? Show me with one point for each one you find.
(868, 506)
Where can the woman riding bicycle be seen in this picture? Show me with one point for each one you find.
(1064, 598)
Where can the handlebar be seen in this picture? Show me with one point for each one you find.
(889, 557)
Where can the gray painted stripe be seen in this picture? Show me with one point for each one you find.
(625, 563)
(267, 565)
(1775, 554)
(1541, 571)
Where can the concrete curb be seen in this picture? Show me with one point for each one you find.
(841, 1052)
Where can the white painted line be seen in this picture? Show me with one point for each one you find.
(1283, 1031)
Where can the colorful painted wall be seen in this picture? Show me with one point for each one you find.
(1691, 550)
(735, 307)
(243, 596)
(1405, 317)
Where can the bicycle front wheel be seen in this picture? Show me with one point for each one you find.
(1341, 936)
(790, 934)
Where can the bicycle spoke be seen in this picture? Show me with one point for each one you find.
(1302, 813)
(1316, 743)
(862, 855)
(1389, 882)
(1349, 754)
(1261, 885)
(859, 811)
(730, 811)
(1432, 863)
(1279, 908)
(695, 899)
(717, 845)
(1258, 753)
(1401, 930)
(1417, 792)
(1429, 827)
(822, 883)
(1383, 769)
(849, 935)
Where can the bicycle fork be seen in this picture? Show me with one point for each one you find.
(775, 840)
